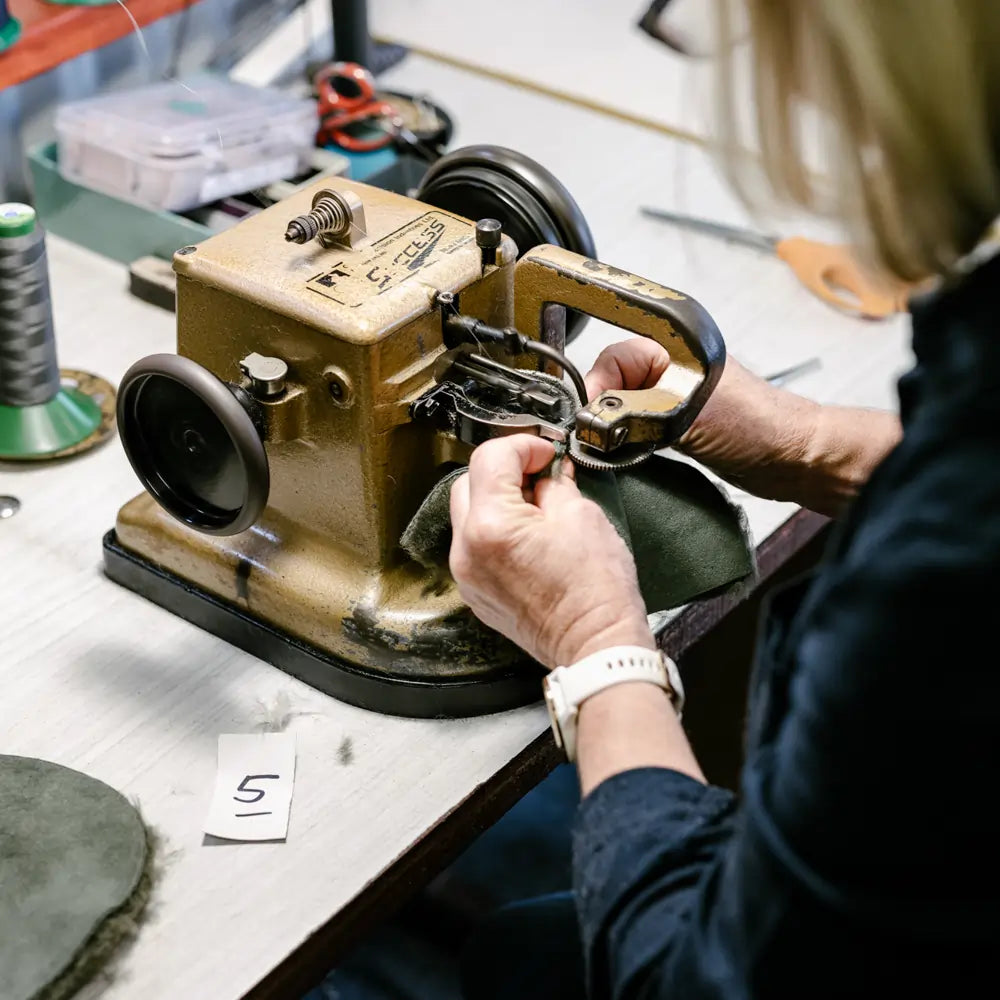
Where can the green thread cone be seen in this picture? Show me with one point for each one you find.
(48, 428)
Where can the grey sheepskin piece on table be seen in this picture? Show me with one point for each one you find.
(75, 876)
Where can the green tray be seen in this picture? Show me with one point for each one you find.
(117, 229)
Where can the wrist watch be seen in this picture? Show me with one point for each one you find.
(567, 688)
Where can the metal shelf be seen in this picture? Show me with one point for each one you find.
(52, 34)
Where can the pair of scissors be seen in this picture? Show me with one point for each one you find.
(828, 271)
(345, 95)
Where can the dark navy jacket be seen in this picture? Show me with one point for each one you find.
(862, 855)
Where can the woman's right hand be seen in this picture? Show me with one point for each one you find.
(750, 433)
(762, 439)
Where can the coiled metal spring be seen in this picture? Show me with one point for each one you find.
(329, 215)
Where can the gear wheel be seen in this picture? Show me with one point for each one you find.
(621, 458)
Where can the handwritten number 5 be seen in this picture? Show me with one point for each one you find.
(258, 793)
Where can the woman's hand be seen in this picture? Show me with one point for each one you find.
(747, 431)
(763, 439)
(541, 563)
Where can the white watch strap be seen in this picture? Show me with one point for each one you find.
(567, 688)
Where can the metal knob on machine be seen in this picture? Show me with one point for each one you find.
(489, 233)
(194, 443)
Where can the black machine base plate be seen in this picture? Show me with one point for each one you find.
(411, 695)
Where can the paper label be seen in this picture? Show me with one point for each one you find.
(253, 787)
(353, 279)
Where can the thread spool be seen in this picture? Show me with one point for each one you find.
(44, 412)
(10, 29)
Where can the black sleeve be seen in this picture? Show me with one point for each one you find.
(644, 843)
(864, 843)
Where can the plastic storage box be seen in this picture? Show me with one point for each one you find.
(175, 146)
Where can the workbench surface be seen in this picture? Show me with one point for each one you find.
(96, 678)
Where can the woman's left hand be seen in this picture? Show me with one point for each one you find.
(541, 564)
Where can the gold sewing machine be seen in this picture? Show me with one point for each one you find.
(336, 355)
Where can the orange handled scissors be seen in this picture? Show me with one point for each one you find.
(827, 270)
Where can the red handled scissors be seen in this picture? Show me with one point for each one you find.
(346, 96)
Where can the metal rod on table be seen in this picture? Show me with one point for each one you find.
(796, 371)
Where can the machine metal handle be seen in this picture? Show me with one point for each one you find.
(658, 416)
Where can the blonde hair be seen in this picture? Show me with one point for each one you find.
(911, 91)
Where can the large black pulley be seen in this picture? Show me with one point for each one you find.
(194, 444)
(491, 182)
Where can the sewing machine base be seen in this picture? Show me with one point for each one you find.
(409, 695)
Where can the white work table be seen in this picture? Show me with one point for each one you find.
(95, 677)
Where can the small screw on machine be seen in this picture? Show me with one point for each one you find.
(9, 506)
(339, 386)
